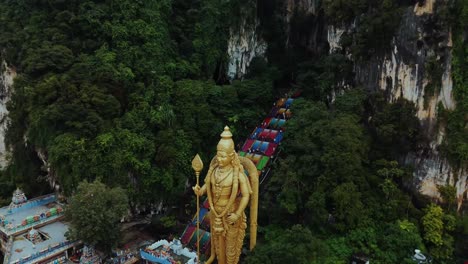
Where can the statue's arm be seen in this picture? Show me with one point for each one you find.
(203, 190)
(199, 191)
(245, 194)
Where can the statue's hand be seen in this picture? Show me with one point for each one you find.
(197, 190)
(232, 218)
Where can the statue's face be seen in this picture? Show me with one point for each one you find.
(224, 159)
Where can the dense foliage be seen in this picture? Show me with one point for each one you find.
(128, 91)
(377, 22)
(339, 179)
(457, 138)
(94, 213)
(107, 89)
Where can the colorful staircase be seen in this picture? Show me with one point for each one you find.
(262, 148)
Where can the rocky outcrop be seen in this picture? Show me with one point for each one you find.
(433, 170)
(333, 37)
(427, 7)
(305, 26)
(403, 72)
(6, 82)
(301, 6)
(410, 82)
(244, 45)
(245, 42)
(51, 176)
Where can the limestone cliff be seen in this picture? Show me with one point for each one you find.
(403, 72)
(7, 75)
(244, 45)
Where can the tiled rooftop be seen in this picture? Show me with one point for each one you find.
(39, 212)
(23, 248)
(33, 207)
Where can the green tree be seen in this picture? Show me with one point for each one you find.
(449, 196)
(394, 128)
(319, 78)
(324, 149)
(94, 213)
(437, 227)
(456, 145)
(342, 11)
(433, 224)
(295, 245)
(461, 244)
(349, 208)
(397, 242)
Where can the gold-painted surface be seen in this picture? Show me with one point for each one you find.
(197, 163)
(229, 191)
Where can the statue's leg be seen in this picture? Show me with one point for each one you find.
(234, 240)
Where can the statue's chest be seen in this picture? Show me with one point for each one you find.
(223, 179)
(222, 185)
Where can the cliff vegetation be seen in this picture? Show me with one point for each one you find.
(127, 92)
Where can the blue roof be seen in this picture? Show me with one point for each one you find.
(55, 232)
(15, 216)
(20, 249)
(147, 256)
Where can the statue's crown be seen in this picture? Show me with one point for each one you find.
(226, 143)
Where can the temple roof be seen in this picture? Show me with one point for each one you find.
(22, 247)
(15, 216)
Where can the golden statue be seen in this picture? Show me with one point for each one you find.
(229, 190)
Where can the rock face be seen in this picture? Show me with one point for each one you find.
(244, 45)
(333, 37)
(303, 6)
(404, 73)
(299, 7)
(426, 8)
(7, 75)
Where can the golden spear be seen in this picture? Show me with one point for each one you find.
(197, 165)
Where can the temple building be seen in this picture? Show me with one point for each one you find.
(32, 231)
(165, 252)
